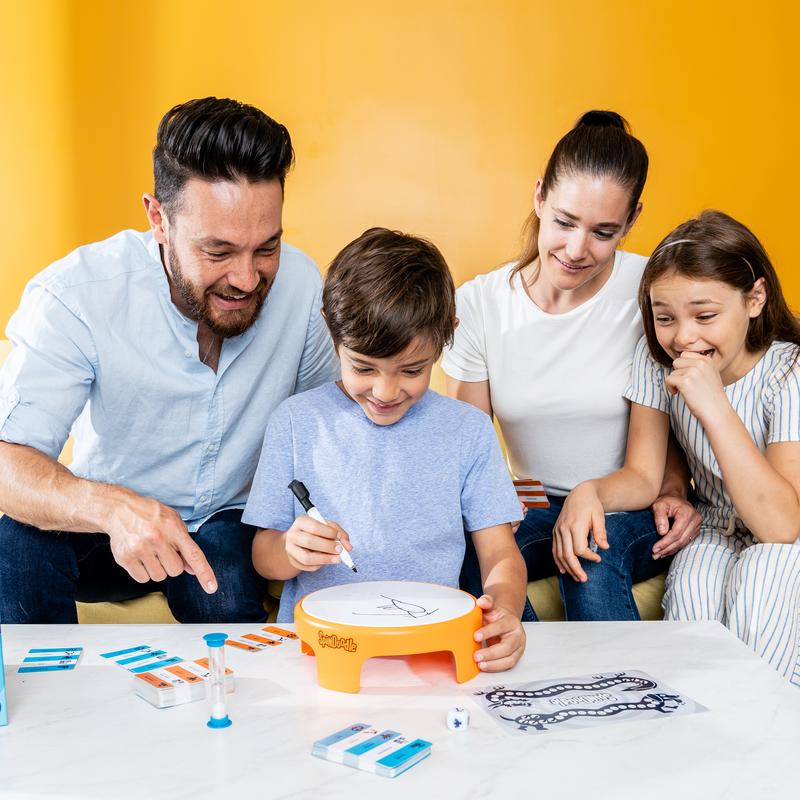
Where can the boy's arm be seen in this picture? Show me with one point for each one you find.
(505, 577)
(269, 555)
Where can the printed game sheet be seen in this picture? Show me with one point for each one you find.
(582, 702)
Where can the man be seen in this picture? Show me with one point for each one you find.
(165, 352)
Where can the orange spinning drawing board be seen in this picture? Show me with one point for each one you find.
(345, 625)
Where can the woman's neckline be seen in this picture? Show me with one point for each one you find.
(572, 309)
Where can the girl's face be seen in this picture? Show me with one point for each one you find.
(708, 317)
(582, 220)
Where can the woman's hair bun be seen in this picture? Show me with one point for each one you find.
(603, 119)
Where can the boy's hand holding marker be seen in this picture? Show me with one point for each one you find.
(312, 541)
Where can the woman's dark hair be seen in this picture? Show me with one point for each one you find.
(600, 145)
(386, 288)
(217, 139)
(715, 247)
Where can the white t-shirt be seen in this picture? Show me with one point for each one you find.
(557, 380)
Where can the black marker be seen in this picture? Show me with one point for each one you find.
(301, 493)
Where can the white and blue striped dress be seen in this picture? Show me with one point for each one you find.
(725, 573)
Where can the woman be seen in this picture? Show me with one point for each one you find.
(546, 344)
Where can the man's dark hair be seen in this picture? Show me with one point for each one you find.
(217, 139)
(385, 289)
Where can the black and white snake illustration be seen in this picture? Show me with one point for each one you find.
(500, 696)
(664, 703)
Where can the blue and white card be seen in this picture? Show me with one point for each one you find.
(50, 659)
(384, 752)
(141, 658)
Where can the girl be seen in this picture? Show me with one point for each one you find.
(719, 362)
(546, 344)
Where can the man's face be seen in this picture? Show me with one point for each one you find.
(222, 250)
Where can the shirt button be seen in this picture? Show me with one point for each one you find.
(187, 353)
(12, 396)
(210, 448)
(203, 498)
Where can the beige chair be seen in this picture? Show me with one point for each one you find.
(153, 608)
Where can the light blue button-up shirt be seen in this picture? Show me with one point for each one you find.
(100, 349)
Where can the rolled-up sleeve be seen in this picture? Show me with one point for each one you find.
(319, 363)
(46, 380)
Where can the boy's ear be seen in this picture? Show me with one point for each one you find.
(456, 323)
(756, 298)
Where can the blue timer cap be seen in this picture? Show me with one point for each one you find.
(215, 639)
(225, 722)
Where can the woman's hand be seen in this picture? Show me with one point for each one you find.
(581, 515)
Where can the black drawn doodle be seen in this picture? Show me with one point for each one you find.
(395, 608)
(500, 696)
(664, 703)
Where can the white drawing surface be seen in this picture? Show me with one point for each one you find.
(388, 604)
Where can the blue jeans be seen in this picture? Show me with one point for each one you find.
(607, 595)
(43, 573)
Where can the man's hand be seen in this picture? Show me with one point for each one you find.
(677, 522)
(311, 544)
(504, 634)
(150, 541)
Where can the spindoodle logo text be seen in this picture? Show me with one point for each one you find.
(337, 642)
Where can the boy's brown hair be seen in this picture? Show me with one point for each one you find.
(384, 289)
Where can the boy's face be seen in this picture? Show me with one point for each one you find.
(386, 388)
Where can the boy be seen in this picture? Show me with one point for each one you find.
(403, 469)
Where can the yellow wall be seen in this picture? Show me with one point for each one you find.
(433, 117)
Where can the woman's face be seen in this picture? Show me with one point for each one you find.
(582, 220)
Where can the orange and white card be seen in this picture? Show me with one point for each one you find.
(531, 493)
(269, 636)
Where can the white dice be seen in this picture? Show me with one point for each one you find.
(457, 719)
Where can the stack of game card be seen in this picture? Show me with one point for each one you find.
(178, 683)
(163, 679)
(362, 746)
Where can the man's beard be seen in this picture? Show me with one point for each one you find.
(223, 323)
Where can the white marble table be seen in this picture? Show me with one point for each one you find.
(84, 734)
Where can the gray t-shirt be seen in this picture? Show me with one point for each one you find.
(405, 493)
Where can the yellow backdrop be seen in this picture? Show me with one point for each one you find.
(432, 117)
